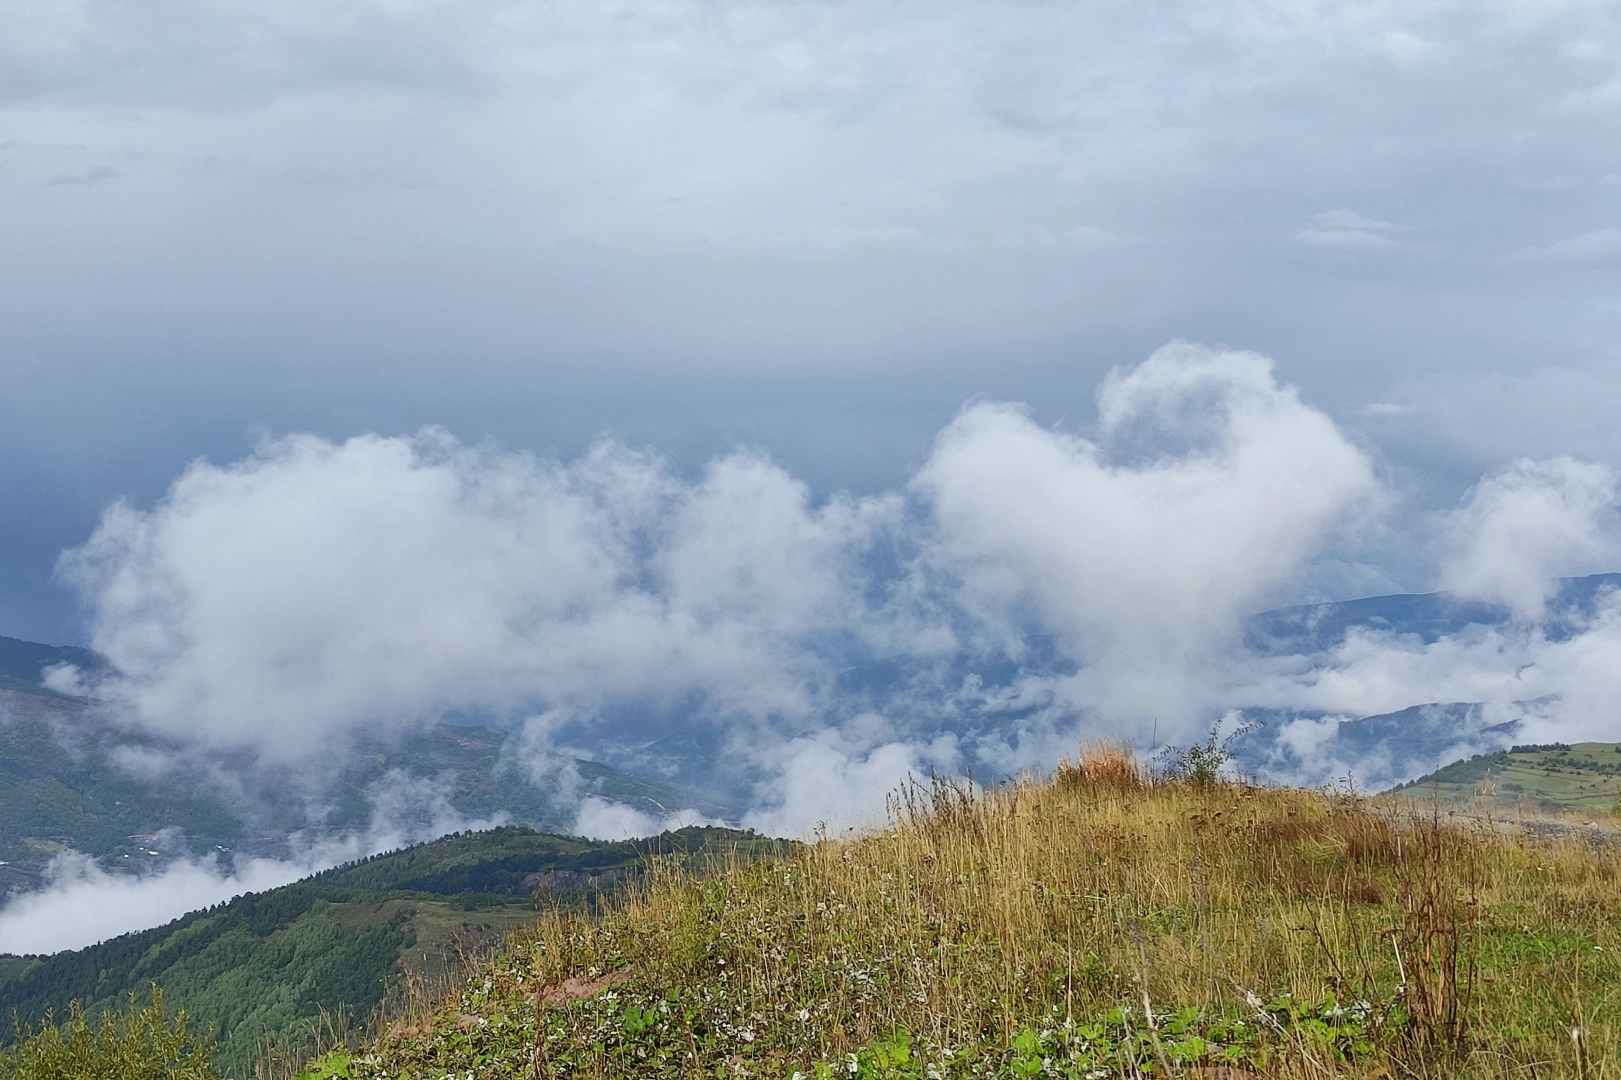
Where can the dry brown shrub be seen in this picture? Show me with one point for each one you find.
(1438, 877)
(1104, 766)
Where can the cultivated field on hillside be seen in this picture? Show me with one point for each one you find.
(1579, 778)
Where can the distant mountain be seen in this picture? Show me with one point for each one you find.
(1311, 747)
(1315, 628)
(1374, 752)
(64, 786)
(23, 663)
(261, 969)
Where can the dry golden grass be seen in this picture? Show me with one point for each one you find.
(982, 918)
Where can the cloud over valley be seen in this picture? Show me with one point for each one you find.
(1027, 586)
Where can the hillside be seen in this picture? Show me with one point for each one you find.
(22, 663)
(1580, 778)
(261, 969)
(1103, 924)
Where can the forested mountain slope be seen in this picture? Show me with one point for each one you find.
(261, 969)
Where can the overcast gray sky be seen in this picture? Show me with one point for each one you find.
(816, 227)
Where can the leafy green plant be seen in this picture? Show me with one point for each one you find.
(1123, 1042)
(1201, 763)
(329, 1066)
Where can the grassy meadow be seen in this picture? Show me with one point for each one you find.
(1098, 923)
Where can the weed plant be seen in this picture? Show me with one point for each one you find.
(1102, 922)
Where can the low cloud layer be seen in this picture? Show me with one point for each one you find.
(317, 590)
(1561, 684)
(83, 904)
(1027, 586)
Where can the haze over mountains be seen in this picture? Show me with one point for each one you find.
(1314, 746)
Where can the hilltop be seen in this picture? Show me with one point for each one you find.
(261, 971)
(1104, 923)
(22, 663)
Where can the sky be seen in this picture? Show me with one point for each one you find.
(814, 228)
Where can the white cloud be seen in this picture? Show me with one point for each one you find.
(1041, 237)
(83, 904)
(397, 203)
(1598, 246)
(1521, 528)
(604, 819)
(1344, 239)
(1346, 230)
(1348, 219)
(1143, 567)
(1561, 687)
(406, 809)
(1602, 97)
(315, 589)
(1473, 421)
(1408, 49)
(831, 780)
